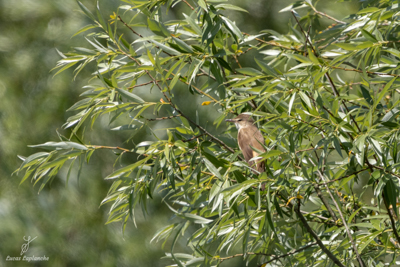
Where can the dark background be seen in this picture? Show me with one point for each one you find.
(66, 219)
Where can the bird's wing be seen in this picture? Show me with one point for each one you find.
(251, 137)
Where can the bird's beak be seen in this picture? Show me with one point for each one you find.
(230, 120)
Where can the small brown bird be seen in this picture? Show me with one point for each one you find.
(249, 136)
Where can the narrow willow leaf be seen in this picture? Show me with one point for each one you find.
(291, 103)
(265, 67)
(86, 11)
(126, 169)
(61, 145)
(125, 127)
(174, 81)
(183, 45)
(369, 36)
(212, 168)
(384, 91)
(195, 218)
(231, 7)
(166, 48)
(87, 27)
(203, 5)
(313, 58)
(249, 71)
(130, 95)
(336, 144)
(233, 28)
(193, 24)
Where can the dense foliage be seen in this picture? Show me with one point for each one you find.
(325, 99)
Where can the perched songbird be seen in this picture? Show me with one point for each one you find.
(249, 136)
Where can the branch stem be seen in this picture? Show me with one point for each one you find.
(314, 235)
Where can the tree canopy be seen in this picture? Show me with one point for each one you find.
(325, 98)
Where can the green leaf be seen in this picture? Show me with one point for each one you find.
(366, 95)
(306, 99)
(86, 11)
(195, 218)
(87, 27)
(193, 24)
(384, 91)
(233, 28)
(183, 45)
(174, 80)
(390, 115)
(167, 49)
(125, 127)
(336, 144)
(212, 168)
(346, 46)
(291, 103)
(61, 145)
(269, 154)
(313, 58)
(127, 169)
(231, 7)
(360, 144)
(249, 71)
(158, 28)
(265, 67)
(368, 10)
(391, 192)
(129, 95)
(203, 4)
(369, 36)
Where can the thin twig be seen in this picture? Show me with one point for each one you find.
(383, 169)
(368, 72)
(289, 253)
(188, 4)
(326, 203)
(314, 235)
(313, 125)
(326, 15)
(194, 137)
(393, 223)
(163, 118)
(109, 147)
(273, 43)
(146, 83)
(341, 178)
(200, 91)
(327, 220)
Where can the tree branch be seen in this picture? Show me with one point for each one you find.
(314, 235)
(109, 147)
(163, 118)
(341, 178)
(393, 223)
(368, 72)
(326, 203)
(288, 254)
(326, 15)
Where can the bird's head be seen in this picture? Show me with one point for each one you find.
(241, 121)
